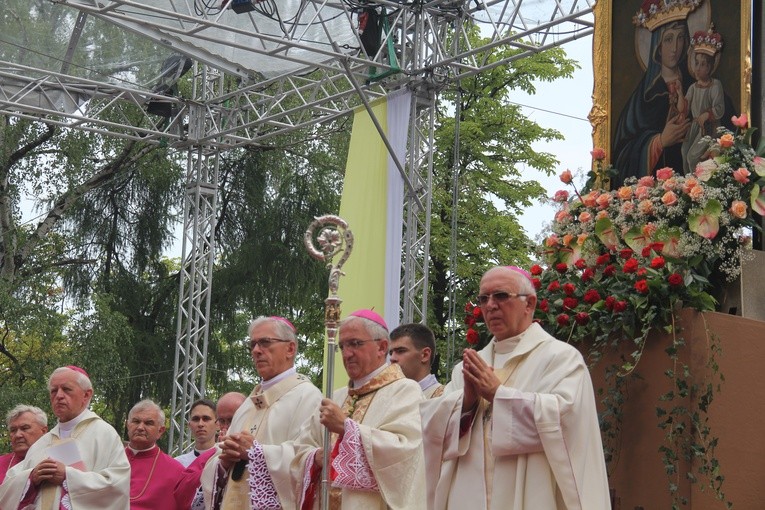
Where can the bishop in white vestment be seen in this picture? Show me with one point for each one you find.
(79, 464)
(517, 428)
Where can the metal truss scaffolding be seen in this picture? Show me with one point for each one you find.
(286, 64)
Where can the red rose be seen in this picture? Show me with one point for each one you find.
(582, 318)
(470, 320)
(536, 269)
(603, 259)
(477, 313)
(554, 286)
(537, 283)
(469, 307)
(561, 267)
(544, 305)
(642, 271)
(610, 270)
(472, 336)
(657, 262)
(580, 264)
(620, 306)
(625, 253)
(641, 286)
(591, 296)
(588, 274)
(657, 247)
(562, 320)
(569, 289)
(570, 303)
(675, 280)
(630, 266)
(646, 251)
(609, 302)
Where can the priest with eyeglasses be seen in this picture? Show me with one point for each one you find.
(517, 427)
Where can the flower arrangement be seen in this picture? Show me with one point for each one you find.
(619, 263)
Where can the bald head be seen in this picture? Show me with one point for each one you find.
(226, 407)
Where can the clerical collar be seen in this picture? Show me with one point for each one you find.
(428, 381)
(65, 428)
(140, 451)
(275, 379)
(358, 383)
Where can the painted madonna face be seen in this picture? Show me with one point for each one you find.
(673, 46)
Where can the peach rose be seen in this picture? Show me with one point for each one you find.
(567, 239)
(598, 154)
(601, 214)
(585, 216)
(590, 199)
(738, 209)
(581, 238)
(624, 193)
(562, 216)
(627, 207)
(566, 177)
(560, 196)
(649, 229)
(669, 198)
(552, 241)
(603, 200)
(690, 183)
(696, 193)
(726, 140)
(645, 207)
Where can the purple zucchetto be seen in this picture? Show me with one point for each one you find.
(372, 316)
(285, 321)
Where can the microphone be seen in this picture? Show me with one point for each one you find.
(238, 471)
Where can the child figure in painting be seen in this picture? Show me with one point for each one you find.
(705, 97)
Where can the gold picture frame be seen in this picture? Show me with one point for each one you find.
(618, 64)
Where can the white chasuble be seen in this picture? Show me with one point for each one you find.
(537, 446)
(389, 431)
(274, 416)
(104, 484)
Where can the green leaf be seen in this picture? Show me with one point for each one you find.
(706, 222)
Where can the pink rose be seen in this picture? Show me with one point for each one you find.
(642, 192)
(601, 215)
(585, 216)
(566, 177)
(627, 208)
(669, 198)
(560, 196)
(741, 175)
(669, 184)
(647, 181)
(741, 121)
(738, 209)
(664, 173)
(598, 154)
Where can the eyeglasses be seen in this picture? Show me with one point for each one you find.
(499, 297)
(265, 342)
(354, 344)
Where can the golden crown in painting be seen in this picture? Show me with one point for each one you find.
(708, 42)
(655, 13)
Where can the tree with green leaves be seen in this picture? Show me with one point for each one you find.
(495, 144)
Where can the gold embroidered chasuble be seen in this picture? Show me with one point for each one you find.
(386, 410)
(273, 417)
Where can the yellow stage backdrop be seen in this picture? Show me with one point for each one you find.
(372, 204)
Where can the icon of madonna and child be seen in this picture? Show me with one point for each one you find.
(678, 100)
